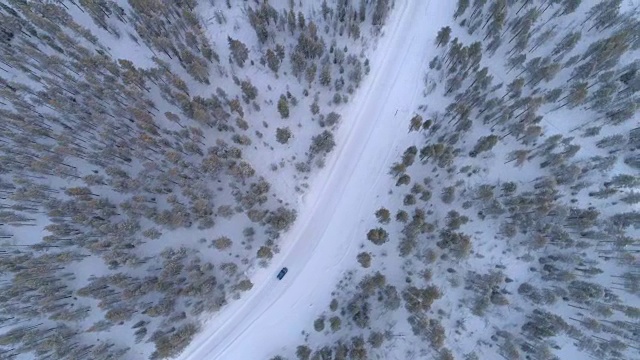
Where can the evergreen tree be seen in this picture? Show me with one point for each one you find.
(462, 7)
(283, 107)
(443, 36)
(273, 61)
(239, 51)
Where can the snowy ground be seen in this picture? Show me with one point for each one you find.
(270, 317)
(336, 212)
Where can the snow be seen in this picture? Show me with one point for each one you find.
(322, 243)
(332, 218)
(285, 190)
(334, 215)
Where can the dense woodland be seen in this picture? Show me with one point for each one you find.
(135, 195)
(512, 230)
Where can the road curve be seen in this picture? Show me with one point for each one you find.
(272, 314)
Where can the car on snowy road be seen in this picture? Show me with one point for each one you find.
(282, 273)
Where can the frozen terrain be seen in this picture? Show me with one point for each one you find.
(270, 317)
(446, 180)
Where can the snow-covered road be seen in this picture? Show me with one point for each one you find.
(324, 240)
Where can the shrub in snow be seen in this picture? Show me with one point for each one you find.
(332, 119)
(283, 135)
(325, 75)
(409, 156)
(315, 108)
(333, 306)
(318, 324)
(397, 169)
(458, 243)
(222, 243)
(322, 143)
(303, 167)
(152, 233)
(358, 309)
(171, 344)
(273, 61)
(445, 354)
(244, 285)
(420, 300)
(409, 200)
(364, 258)
(390, 298)
(376, 339)
(425, 195)
(239, 51)
(543, 324)
(281, 218)
(415, 123)
(454, 220)
(303, 352)
(283, 107)
(383, 215)
(448, 194)
(265, 253)
(404, 179)
(485, 143)
(335, 323)
(249, 91)
(378, 236)
(402, 216)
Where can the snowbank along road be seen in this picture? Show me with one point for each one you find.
(328, 229)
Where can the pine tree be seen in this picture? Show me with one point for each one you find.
(239, 51)
(273, 61)
(416, 123)
(567, 44)
(485, 143)
(570, 6)
(380, 12)
(462, 7)
(383, 215)
(443, 36)
(283, 135)
(322, 143)
(283, 107)
(310, 73)
(249, 91)
(377, 236)
(604, 14)
(325, 75)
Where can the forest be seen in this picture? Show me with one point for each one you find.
(509, 226)
(155, 153)
(152, 155)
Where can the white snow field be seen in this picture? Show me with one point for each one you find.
(323, 242)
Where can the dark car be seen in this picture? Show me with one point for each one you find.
(282, 273)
